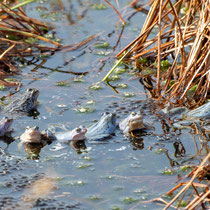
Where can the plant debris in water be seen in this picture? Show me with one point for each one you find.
(95, 87)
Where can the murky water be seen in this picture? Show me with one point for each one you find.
(117, 174)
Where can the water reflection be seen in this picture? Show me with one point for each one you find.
(78, 145)
(33, 150)
(7, 139)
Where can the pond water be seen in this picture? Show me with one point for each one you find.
(119, 173)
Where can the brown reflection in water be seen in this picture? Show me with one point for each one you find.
(33, 150)
(78, 145)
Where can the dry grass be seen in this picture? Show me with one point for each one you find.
(184, 39)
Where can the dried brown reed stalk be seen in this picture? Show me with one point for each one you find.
(183, 37)
(15, 29)
(198, 198)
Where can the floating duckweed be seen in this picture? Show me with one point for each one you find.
(109, 177)
(118, 188)
(11, 80)
(122, 85)
(119, 71)
(90, 102)
(127, 95)
(31, 40)
(99, 6)
(193, 88)
(129, 200)
(88, 158)
(114, 78)
(44, 56)
(186, 168)
(102, 53)
(63, 83)
(148, 71)
(182, 203)
(12, 37)
(95, 87)
(94, 197)
(81, 166)
(61, 105)
(103, 45)
(139, 191)
(116, 208)
(73, 183)
(54, 16)
(167, 172)
(85, 109)
(159, 151)
(78, 183)
(78, 79)
(143, 60)
(2, 87)
(49, 36)
(164, 64)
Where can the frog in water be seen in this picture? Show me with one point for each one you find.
(132, 123)
(5, 126)
(197, 115)
(33, 135)
(73, 135)
(24, 103)
(103, 128)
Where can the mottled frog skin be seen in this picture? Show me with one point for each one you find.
(31, 135)
(5, 126)
(25, 103)
(103, 128)
(132, 123)
(73, 135)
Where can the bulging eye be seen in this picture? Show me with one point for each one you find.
(78, 130)
(133, 113)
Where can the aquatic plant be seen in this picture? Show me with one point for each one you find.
(182, 36)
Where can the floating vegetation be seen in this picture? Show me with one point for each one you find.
(75, 183)
(62, 83)
(78, 79)
(103, 53)
(94, 197)
(2, 87)
(122, 85)
(117, 208)
(103, 45)
(113, 78)
(91, 102)
(119, 70)
(95, 87)
(99, 6)
(187, 44)
(128, 95)
(168, 172)
(129, 200)
(194, 192)
(82, 166)
(84, 109)
(61, 105)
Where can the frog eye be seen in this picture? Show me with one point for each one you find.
(78, 130)
(133, 113)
